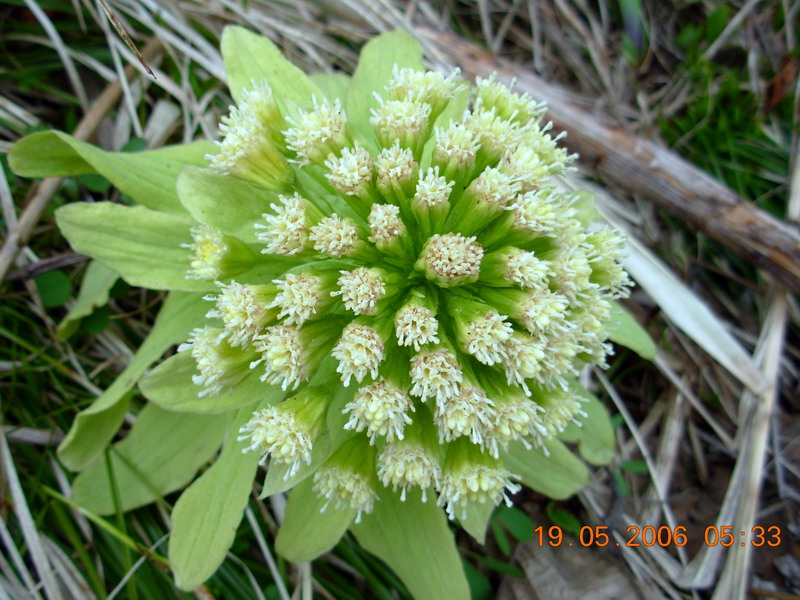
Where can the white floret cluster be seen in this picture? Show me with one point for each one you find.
(439, 278)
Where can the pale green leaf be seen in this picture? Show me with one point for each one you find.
(413, 538)
(226, 203)
(96, 285)
(559, 475)
(372, 74)
(207, 514)
(268, 268)
(161, 454)
(476, 520)
(334, 86)
(142, 245)
(624, 330)
(571, 434)
(306, 531)
(596, 442)
(95, 426)
(250, 58)
(336, 418)
(170, 386)
(147, 177)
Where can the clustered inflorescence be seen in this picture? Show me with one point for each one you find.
(440, 270)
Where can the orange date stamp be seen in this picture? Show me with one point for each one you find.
(600, 536)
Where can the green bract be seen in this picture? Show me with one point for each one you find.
(384, 298)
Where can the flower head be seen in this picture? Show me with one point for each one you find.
(385, 225)
(415, 324)
(287, 432)
(412, 461)
(434, 269)
(469, 413)
(509, 105)
(396, 172)
(455, 151)
(431, 88)
(300, 297)
(318, 134)
(435, 374)
(348, 479)
(350, 173)
(559, 409)
(361, 289)
(405, 121)
(214, 255)
(451, 259)
(433, 190)
(282, 356)
(382, 409)
(516, 417)
(287, 229)
(334, 236)
(481, 331)
(219, 364)
(359, 351)
(471, 476)
(244, 310)
(251, 142)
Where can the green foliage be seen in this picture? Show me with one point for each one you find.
(518, 524)
(635, 466)
(553, 470)
(500, 566)
(95, 290)
(206, 516)
(724, 128)
(94, 426)
(200, 191)
(595, 434)
(477, 519)
(250, 57)
(501, 519)
(412, 537)
(170, 386)
(479, 586)
(147, 177)
(634, 40)
(142, 245)
(54, 288)
(563, 518)
(624, 330)
(161, 454)
(307, 531)
(621, 485)
(333, 86)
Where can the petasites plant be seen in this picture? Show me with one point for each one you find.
(382, 295)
